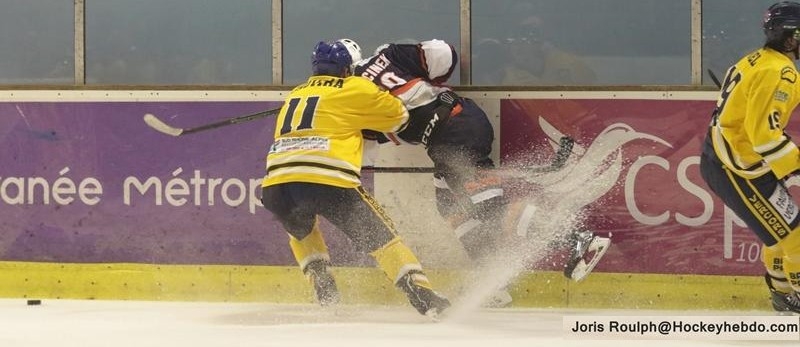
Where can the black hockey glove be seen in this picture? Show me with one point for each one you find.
(443, 107)
(447, 99)
(445, 102)
(372, 135)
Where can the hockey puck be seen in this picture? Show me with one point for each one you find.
(34, 302)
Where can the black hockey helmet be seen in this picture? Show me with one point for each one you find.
(782, 21)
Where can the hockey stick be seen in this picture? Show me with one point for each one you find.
(559, 159)
(159, 125)
(714, 78)
(398, 169)
(565, 145)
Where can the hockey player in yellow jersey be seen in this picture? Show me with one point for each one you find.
(747, 156)
(314, 166)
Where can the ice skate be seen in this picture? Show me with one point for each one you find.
(586, 251)
(499, 299)
(323, 282)
(427, 302)
(783, 302)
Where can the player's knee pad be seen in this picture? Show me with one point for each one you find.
(479, 238)
(396, 259)
(519, 218)
(447, 203)
(492, 208)
(310, 248)
(485, 191)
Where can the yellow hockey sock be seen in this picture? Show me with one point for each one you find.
(791, 258)
(773, 262)
(396, 260)
(310, 248)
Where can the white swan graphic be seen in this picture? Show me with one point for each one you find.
(587, 175)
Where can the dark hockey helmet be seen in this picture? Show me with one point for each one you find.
(781, 21)
(334, 59)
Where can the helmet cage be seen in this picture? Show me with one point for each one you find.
(353, 49)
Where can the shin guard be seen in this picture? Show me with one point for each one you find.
(772, 256)
(310, 248)
(790, 246)
(396, 259)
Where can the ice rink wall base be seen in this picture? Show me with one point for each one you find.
(359, 285)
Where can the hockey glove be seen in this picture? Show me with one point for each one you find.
(372, 135)
(447, 99)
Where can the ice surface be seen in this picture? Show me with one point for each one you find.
(64, 323)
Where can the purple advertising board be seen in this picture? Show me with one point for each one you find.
(90, 182)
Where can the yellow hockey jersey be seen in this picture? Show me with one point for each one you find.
(318, 131)
(756, 101)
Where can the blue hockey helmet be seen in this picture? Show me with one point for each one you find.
(335, 59)
(782, 21)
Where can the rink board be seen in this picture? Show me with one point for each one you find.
(369, 286)
(121, 197)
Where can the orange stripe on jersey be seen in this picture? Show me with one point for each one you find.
(404, 88)
(456, 110)
(482, 183)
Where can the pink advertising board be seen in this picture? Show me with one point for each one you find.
(650, 197)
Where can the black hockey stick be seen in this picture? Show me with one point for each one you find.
(165, 128)
(714, 78)
(398, 169)
(559, 159)
(565, 145)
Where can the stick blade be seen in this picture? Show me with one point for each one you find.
(714, 78)
(155, 123)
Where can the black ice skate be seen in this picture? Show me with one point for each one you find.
(427, 302)
(323, 282)
(586, 251)
(783, 302)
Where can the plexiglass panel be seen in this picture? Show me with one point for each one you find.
(368, 22)
(581, 42)
(730, 32)
(37, 40)
(514, 42)
(178, 42)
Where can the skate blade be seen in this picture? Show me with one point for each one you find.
(599, 246)
(498, 299)
(434, 315)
